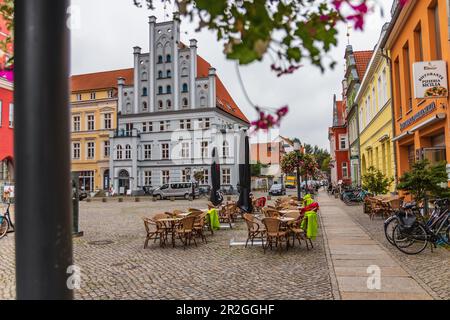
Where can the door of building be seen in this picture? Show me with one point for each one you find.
(124, 181)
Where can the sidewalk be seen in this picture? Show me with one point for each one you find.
(353, 251)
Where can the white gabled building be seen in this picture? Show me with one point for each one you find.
(173, 114)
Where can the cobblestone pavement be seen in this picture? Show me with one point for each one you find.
(122, 269)
(432, 268)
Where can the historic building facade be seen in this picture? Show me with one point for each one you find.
(418, 42)
(375, 115)
(356, 63)
(171, 116)
(339, 147)
(93, 118)
(6, 133)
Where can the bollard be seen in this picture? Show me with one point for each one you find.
(172, 198)
(104, 200)
(137, 199)
(120, 199)
(154, 199)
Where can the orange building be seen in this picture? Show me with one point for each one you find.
(418, 44)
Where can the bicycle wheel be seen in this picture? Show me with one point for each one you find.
(4, 226)
(389, 226)
(410, 241)
(445, 235)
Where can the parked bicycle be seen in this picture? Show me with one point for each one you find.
(408, 209)
(411, 235)
(6, 224)
(354, 196)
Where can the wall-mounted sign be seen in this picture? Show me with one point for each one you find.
(422, 113)
(430, 79)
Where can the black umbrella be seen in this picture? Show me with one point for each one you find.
(216, 195)
(244, 202)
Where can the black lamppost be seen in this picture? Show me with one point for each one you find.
(297, 148)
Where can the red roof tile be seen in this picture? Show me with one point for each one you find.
(100, 80)
(362, 59)
(108, 79)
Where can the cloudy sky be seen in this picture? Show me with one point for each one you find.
(105, 31)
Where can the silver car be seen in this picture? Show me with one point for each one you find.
(180, 189)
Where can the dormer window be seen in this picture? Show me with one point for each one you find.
(92, 95)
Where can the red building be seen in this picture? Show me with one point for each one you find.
(6, 132)
(338, 137)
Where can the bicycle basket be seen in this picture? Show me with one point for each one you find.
(406, 222)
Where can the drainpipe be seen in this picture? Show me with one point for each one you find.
(389, 61)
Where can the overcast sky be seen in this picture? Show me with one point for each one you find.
(105, 31)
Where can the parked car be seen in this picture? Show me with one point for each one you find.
(204, 190)
(148, 190)
(182, 189)
(277, 190)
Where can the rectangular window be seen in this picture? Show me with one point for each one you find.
(344, 170)
(165, 175)
(380, 93)
(435, 32)
(78, 96)
(76, 123)
(11, 115)
(147, 151)
(90, 122)
(165, 151)
(129, 129)
(181, 124)
(110, 93)
(147, 178)
(106, 149)
(385, 87)
(144, 126)
(207, 123)
(107, 119)
(343, 142)
(204, 149)
(76, 150)
(188, 124)
(418, 43)
(398, 91)
(185, 150)
(161, 126)
(93, 95)
(90, 150)
(407, 74)
(185, 175)
(205, 178)
(226, 176)
(167, 125)
(374, 102)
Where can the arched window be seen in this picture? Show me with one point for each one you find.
(160, 59)
(119, 152)
(184, 71)
(185, 87)
(202, 101)
(160, 74)
(160, 104)
(144, 92)
(168, 104)
(144, 106)
(160, 89)
(225, 149)
(185, 102)
(168, 58)
(168, 89)
(128, 152)
(128, 107)
(169, 73)
(144, 76)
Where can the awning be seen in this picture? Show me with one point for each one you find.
(403, 135)
(427, 122)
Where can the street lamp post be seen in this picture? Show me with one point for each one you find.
(297, 148)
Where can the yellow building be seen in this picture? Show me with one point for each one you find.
(375, 115)
(93, 118)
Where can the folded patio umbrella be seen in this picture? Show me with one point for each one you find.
(216, 195)
(244, 202)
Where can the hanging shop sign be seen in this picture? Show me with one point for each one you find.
(430, 79)
(422, 113)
